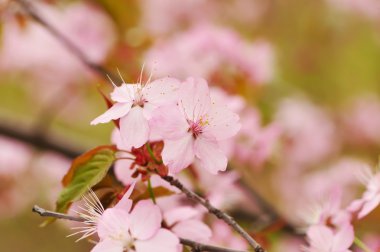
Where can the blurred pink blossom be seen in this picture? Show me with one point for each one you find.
(368, 8)
(324, 239)
(361, 121)
(310, 134)
(222, 235)
(204, 51)
(43, 56)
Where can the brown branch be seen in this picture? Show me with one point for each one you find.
(35, 139)
(215, 211)
(204, 247)
(195, 245)
(30, 9)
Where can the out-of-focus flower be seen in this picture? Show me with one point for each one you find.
(34, 50)
(15, 178)
(134, 106)
(157, 22)
(222, 235)
(324, 239)
(207, 51)
(370, 198)
(193, 127)
(361, 121)
(120, 229)
(310, 135)
(368, 8)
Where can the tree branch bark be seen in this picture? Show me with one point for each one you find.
(215, 211)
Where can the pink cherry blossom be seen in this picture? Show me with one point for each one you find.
(185, 222)
(134, 104)
(324, 239)
(193, 127)
(207, 50)
(370, 198)
(120, 229)
(84, 25)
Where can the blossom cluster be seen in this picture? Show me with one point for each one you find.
(182, 114)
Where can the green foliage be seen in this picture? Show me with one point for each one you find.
(86, 171)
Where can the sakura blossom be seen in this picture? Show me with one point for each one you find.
(119, 228)
(134, 105)
(323, 239)
(193, 127)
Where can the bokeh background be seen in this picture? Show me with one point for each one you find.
(308, 71)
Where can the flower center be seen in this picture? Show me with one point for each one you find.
(196, 128)
(139, 100)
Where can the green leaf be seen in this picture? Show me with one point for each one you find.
(86, 171)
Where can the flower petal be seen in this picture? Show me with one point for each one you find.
(122, 94)
(194, 98)
(134, 128)
(164, 240)
(117, 111)
(161, 91)
(343, 238)
(108, 245)
(169, 122)
(210, 156)
(178, 154)
(221, 122)
(125, 203)
(145, 220)
(179, 214)
(193, 230)
(113, 222)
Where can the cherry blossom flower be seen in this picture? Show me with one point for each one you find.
(86, 26)
(324, 239)
(134, 106)
(206, 50)
(185, 222)
(120, 229)
(193, 127)
(370, 198)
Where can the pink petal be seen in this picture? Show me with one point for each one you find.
(125, 203)
(320, 237)
(210, 156)
(369, 206)
(169, 122)
(343, 238)
(117, 111)
(134, 128)
(164, 240)
(113, 222)
(108, 245)
(178, 154)
(161, 91)
(122, 94)
(145, 220)
(179, 214)
(193, 230)
(222, 123)
(194, 98)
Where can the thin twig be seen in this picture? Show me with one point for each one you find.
(215, 211)
(46, 213)
(205, 247)
(193, 244)
(29, 8)
(48, 143)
